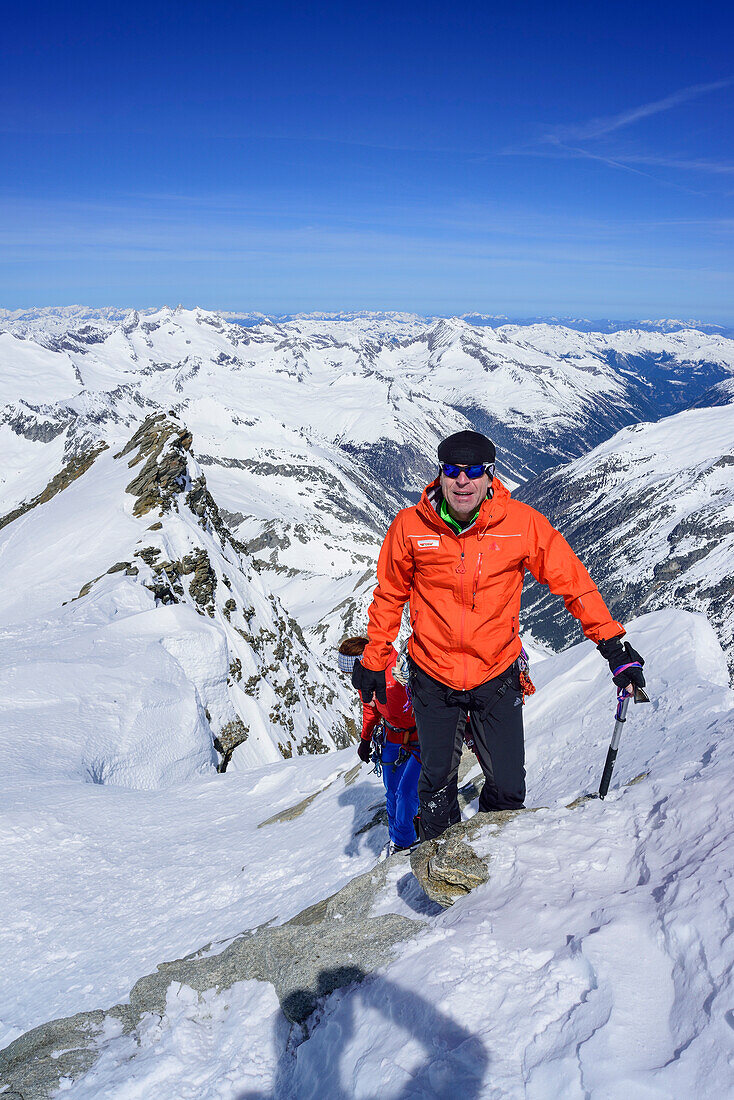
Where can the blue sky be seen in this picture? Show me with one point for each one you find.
(429, 157)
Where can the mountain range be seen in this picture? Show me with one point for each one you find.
(311, 433)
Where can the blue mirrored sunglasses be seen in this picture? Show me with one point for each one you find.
(472, 472)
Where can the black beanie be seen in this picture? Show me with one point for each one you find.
(466, 449)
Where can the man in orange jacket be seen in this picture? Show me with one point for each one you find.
(459, 557)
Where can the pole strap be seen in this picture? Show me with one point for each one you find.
(623, 668)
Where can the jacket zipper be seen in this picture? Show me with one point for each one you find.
(462, 570)
(475, 583)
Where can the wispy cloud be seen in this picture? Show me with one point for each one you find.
(623, 163)
(598, 127)
(686, 164)
(586, 140)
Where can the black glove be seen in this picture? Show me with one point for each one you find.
(620, 655)
(369, 683)
(364, 750)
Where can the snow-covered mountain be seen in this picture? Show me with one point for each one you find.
(651, 514)
(123, 562)
(312, 433)
(190, 512)
(43, 317)
(607, 324)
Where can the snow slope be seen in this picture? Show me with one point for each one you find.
(594, 963)
(651, 514)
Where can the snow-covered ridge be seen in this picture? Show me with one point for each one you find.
(128, 551)
(63, 315)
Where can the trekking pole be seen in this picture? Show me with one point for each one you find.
(623, 698)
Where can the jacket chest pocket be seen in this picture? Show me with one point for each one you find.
(495, 574)
(433, 562)
(499, 555)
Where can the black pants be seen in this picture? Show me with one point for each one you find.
(495, 717)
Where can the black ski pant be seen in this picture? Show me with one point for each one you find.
(494, 711)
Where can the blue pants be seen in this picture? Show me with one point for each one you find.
(401, 790)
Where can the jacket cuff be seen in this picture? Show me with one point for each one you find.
(607, 632)
(375, 662)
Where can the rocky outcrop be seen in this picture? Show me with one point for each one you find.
(448, 868)
(203, 584)
(163, 445)
(231, 735)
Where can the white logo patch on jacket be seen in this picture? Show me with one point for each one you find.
(423, 543)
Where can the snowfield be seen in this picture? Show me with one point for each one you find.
(651, 514)
(595, 962)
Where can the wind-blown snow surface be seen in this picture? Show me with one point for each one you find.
(595, 962)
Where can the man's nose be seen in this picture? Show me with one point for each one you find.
(462, 479)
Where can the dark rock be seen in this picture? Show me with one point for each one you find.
(119, 567)
(229, 737)
(149, 554)
(164, 446)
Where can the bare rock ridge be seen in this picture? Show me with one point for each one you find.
(164, 474)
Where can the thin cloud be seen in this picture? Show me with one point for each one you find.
(573, 152)
(717, 167)
(598, 127)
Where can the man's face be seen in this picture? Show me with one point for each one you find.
(463, 495)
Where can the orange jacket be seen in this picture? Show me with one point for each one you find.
(465, 590)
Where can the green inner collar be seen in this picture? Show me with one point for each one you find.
(454, 524)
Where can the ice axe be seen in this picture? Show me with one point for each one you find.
(631, 691)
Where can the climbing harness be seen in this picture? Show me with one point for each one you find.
(378, 741)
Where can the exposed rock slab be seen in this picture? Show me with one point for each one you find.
(448, 867)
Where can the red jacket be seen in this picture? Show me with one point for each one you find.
(464, 590)
(397, 711)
